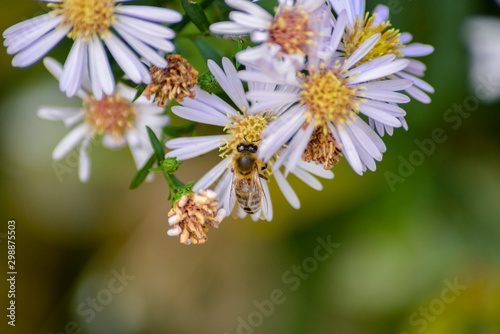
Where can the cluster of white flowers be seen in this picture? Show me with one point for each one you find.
(322, 78)
(325, 80)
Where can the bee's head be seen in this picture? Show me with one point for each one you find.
(248, 148)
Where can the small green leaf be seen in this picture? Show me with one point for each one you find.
(140, 90)
(207, 51)
(196, 14)
(142, 173)
(176, 131)
(157, 146)
(182, 191)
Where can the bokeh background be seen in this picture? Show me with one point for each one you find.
(399, 247)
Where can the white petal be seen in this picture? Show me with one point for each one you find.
(338, 32)
(84, 163)
(249, 7)
(315, 169)
(229, 81)
(381, 71)
(145, 27)
(379, 115)
(286, 189)
(362, 51)
(209, 178)
(348, 149)
(249, 20)
(307, 178)
(214, 118)
(386, 96)
(418, 94)
(417, 50)
(158, 42)
(391, 85)
(193, 141)
(74, 68)
(157, 14)
(100, 70)
(30, 24)
(298, 145)
(228, 28)
(145, 51)
(382, 13)
(73, 138)
(189, 152)
(27, 37)
(40, 48)
(417, 82)
(126, 59)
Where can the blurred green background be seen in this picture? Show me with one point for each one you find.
(420, 256)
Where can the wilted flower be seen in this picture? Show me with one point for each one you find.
(174, 82)
(192, 215)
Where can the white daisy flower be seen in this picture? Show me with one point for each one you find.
(120, 121)
(284, 39)
(93, 24)
(361, 26)
(326, 103)
(243, 127)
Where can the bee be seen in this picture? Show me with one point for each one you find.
(248, 173)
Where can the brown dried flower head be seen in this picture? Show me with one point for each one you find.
(173, 82)
(323, 149)
(192, 214)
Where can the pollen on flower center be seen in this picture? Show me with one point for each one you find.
(328, 96)
(364, 29)
(87, 18)
(290, 29)
(246, 128)
(112, 114)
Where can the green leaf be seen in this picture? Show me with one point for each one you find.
(176, 131)
(142, 173)
(185, 190)
(157, 146)
(207, 51)
(196, 14)
(140, 90)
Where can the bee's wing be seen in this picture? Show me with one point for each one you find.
(267, 207)
(235, 208)
(259, 189)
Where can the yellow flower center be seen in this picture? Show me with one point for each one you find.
(246, 128)
(364, 29)
(290, 29)
(112, 114)
(328, 97)
(87, 18)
